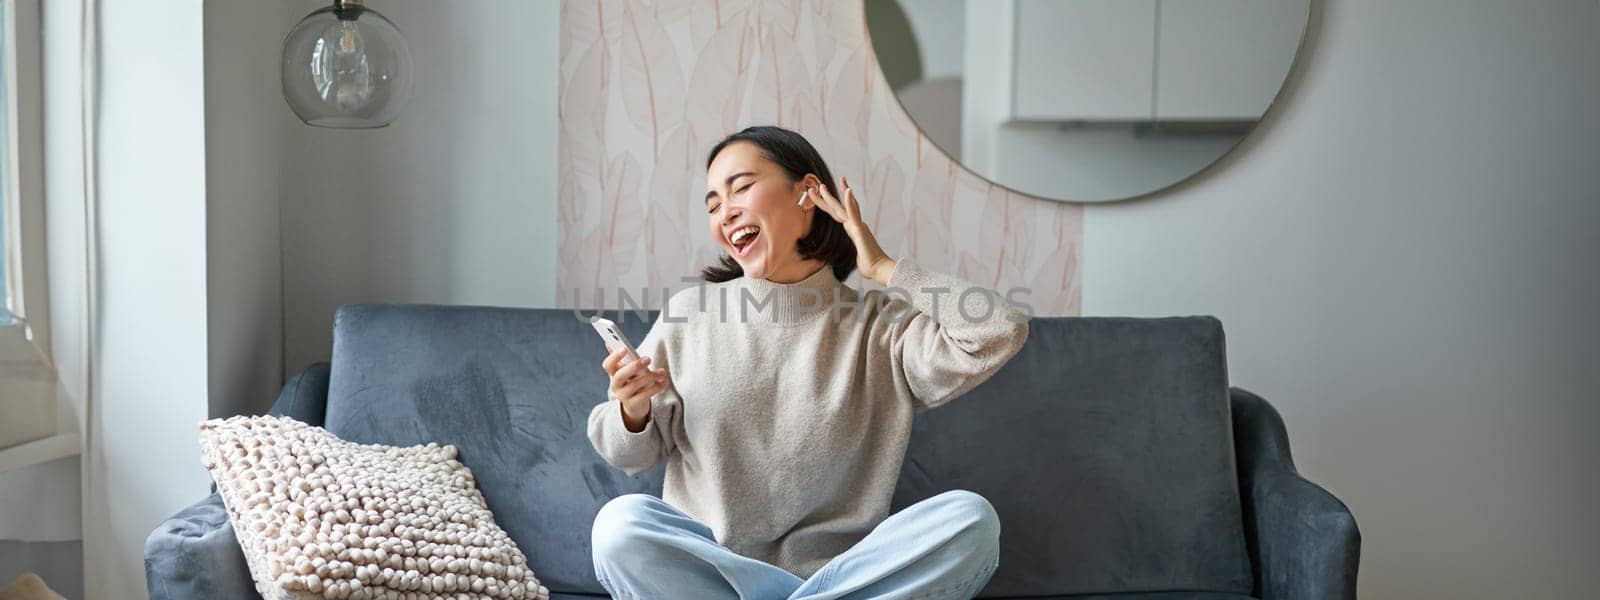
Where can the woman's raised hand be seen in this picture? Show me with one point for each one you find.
(871, 260)
(634, 384)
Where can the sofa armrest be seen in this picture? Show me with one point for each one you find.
(305, 397)
(194, 554)
(1302, 540)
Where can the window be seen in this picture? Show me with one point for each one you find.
(24, 307)
(5, 178)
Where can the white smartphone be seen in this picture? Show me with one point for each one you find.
(613, 338)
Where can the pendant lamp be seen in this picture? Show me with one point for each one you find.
(346, 66)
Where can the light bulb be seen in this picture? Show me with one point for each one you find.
(339, 67)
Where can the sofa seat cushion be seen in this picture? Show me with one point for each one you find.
(1149, 596)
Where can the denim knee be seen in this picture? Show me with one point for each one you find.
(617, 525)
(980, 531)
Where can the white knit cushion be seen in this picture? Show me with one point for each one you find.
(320, 517)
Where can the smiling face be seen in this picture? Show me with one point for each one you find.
(753, 216)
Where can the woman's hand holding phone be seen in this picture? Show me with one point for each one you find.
(633, 384)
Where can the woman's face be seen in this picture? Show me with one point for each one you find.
(750, 199)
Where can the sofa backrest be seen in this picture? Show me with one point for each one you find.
(1105, 445)
(512, 389)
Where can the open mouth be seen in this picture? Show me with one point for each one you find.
(744, 239)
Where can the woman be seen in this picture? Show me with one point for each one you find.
(782, 402)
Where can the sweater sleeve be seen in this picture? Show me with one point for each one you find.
(632, 452)
(955, 335)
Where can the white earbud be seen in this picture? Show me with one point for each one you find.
(803, 195)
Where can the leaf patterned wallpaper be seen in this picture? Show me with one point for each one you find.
(648, 87)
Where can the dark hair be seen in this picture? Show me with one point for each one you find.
(827, 239)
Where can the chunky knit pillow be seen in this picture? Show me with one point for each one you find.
(320, 517)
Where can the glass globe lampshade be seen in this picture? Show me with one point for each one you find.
(346, 66)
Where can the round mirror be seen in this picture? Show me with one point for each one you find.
(1086, 100)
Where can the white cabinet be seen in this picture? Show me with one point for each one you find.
(1138, 60)
(1223, 59)
(1084, 59)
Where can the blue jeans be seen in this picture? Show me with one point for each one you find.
(947, 546)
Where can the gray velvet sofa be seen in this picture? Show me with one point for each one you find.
(1121, 462)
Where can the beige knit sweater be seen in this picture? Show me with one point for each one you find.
(790, 407)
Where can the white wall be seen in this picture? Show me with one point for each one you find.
(63, 174)
(151, 355)
(245, 123)
(190, 318)
(63, 188)
(454, 202)
(1403, 258)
